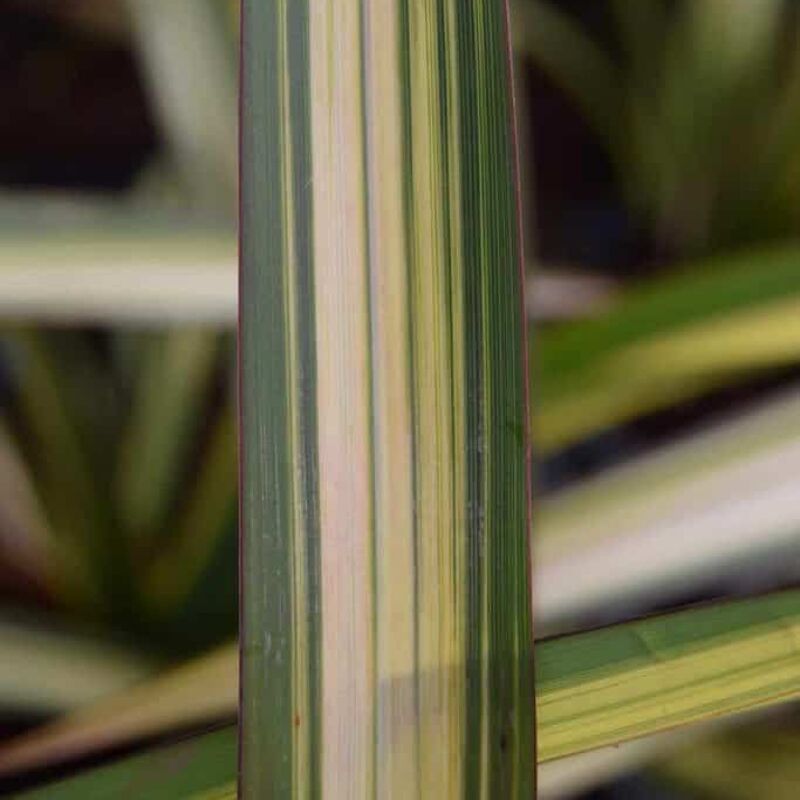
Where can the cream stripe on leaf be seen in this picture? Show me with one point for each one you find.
(386, 636)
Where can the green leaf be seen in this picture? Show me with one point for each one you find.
(173, 383)
(26, 542)
(201, 768)
(203, 691)
(667, 340)
(641, 28)
(210, 514)
(618, 683)
(691, 114)
(66, 474)
(386, 604)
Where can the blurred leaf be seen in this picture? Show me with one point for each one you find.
(209, 515)
(641, 27)
(692, 115)
(116, 438)
(165, 420)
(115, 269)
(188, 61)
(201, 768)
(763, 338)
(667, 340)
(734, 36)
(65, 479)
(26, 546)
(757, 761)
(699, 510)
(192, 695)
(574, 61)
(47, 671)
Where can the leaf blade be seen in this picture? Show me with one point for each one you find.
(382, 232)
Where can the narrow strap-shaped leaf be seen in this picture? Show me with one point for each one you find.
(713, 317)
(175, 373)
(67, 478)
(702, 509)
(209, 516)
(618, 683)
(188, 697)
(189, 68)
(386, 639)
(143, 272)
